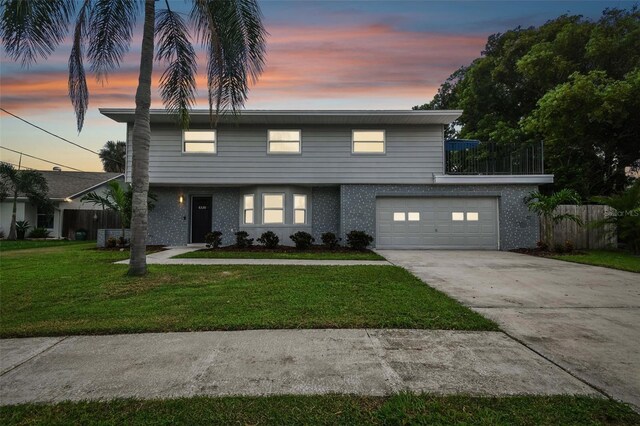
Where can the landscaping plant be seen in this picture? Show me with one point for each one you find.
(302, 240)
(359, 240)
(39, 233)
(243, 240)
(112, 242)
(545, 206)
(626, 217)
(330, 240)
(21, 228)
(118, 198)
(269, 239)
(213, 239)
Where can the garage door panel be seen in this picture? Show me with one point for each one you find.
(478, 227)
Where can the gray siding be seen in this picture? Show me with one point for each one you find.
(413, 154)
(518, 227)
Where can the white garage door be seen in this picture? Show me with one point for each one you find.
(445, 222)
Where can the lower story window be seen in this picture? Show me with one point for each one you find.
(248, 209)
(273, 208)
(45, 220)
(299, 209)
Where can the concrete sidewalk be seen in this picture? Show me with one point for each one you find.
(166, 257)
(268, 362)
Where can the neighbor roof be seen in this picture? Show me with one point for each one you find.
(269, 117)
(72, 184)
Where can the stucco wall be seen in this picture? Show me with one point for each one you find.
(326, 211)
(518, 226)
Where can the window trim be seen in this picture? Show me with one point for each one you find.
(384, 142)
(245, 209)
(304, 210)
(269, 152)
(215, 142)
(284, 205)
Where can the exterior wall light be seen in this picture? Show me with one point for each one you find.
(181, 199)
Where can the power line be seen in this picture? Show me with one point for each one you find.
(59, 137)
(41, 159)
(16, 165)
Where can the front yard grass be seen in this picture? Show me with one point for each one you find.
(311, 255)
(6, 245)
(77, 290)
(330, 410)
(622, 260)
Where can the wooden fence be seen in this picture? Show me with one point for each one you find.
(582, 237)
(89, 220)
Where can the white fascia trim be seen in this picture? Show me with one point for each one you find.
(492, 179)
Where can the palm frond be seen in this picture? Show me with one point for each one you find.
(177, 83)
(110, 30)
(234, 38)
(31, 29)
(78, 90)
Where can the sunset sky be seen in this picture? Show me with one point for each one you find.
(320, 55)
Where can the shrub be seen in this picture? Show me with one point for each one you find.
(569, 247)
(269, 239)
(111, 242)
(330, 240)
(302, 240)
(123, 242)
(39, 233)
(558, 248)
(213, 239)
(542, 245)
(1, 234)
(243, 240)
(359, 240)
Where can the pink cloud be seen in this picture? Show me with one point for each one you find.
(357, 63)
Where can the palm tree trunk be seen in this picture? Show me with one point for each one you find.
(13, 235)
(141, 140)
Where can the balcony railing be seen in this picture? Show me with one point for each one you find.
(467, 157)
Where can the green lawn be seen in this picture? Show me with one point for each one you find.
(331, 410)
(611, 259)
(28, 244)
(313, 255)
(77, 290)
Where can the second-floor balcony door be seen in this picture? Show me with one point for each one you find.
(200, 218)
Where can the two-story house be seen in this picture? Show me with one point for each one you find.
(388, 173)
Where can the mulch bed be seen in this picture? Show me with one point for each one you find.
(289, 249)
(543, 253)
(150, 249)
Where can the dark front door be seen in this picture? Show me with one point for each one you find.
(200, 218)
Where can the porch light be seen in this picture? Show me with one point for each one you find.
(181, 199)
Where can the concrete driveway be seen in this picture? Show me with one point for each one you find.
(585, 319)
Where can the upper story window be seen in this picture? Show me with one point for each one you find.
(272, 208)
(247, 211)
(199, 141)
(299, 209)
(284, 142)
(368, 142)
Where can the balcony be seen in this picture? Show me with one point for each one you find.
(475, 158)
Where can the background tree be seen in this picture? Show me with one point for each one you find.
(28, 183)
(230, 32)
(113, 156)
(524, 72)
(625, 219)
(545, 206)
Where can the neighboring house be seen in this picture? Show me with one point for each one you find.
(387, 173)
(65, 191)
